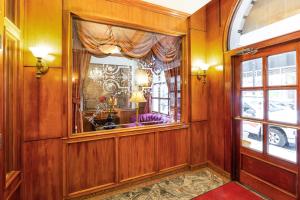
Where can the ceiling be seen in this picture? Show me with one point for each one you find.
(186, 6)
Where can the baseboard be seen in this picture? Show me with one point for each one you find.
(218, 170)
(198, 166)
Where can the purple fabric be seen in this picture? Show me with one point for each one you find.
(131, 125)
(151, 118)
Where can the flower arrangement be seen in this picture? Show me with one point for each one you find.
(105, 104)
(108, 103)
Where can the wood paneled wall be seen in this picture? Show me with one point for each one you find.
(197, 34)
(42, 170)
(97, 163)
(125, 11)
(199, 91)
(219, 148)
(91, 164)
(144, 158)
(45, 110)
(43, 26)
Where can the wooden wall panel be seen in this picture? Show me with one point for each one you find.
(199, 143)
(215, 82)
(173, 148)
(198, 45)
(216, 118)
(42, 104)
(42, 170)
(16, 195)
(198, 20)
(274, 175)
(199, 100)
(217, 15)
(136, 156)
(262, 187)
(127, 13)
(43, 26)
(199, 104)
(90, 164)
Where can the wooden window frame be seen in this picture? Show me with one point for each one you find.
(69, 16)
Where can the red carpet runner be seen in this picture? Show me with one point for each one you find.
(229, 191)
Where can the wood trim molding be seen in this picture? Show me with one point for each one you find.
(198, 166)
(227, 26)
(153, 8)
(218, 169)
(12, 28)
(121, 23)
(67, 55)
(91, 136)
(13, 183)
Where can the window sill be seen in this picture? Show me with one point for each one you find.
(125, 131)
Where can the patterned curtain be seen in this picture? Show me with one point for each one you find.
(100, 39)
(81, 61)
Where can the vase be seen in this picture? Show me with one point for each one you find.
(109, 122)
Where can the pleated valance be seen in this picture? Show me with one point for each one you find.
(101, 39)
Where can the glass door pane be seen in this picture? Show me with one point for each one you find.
(252, 73)
(252, 135)
(282, 143)
(253, 104)
(282, 69)
(283, 106)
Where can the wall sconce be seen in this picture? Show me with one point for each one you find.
(40, 53)
(202, 72)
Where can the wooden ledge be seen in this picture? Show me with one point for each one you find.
(95, 135)
(153, 8)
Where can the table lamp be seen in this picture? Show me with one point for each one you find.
(137, 97)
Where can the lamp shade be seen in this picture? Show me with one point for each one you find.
(141, 77)
(137, 97)
(39, 52)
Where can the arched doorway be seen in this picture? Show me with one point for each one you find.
(262, 64)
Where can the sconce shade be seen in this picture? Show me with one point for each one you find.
(39, 52)
(137, 97)
(141, 78)
(204, 67)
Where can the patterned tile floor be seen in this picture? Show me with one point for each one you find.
(184, 186)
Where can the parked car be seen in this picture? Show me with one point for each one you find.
(282, 137)
(277, 136)
(249, 110)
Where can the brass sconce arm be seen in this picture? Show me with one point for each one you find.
(40, 53)
(201, 75)
(40, 68)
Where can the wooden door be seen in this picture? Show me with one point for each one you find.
(10, 100)
(12, 117)
(266, 120)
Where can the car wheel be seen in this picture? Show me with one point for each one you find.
(277, 137)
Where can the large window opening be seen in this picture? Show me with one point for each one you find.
(123, 77)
